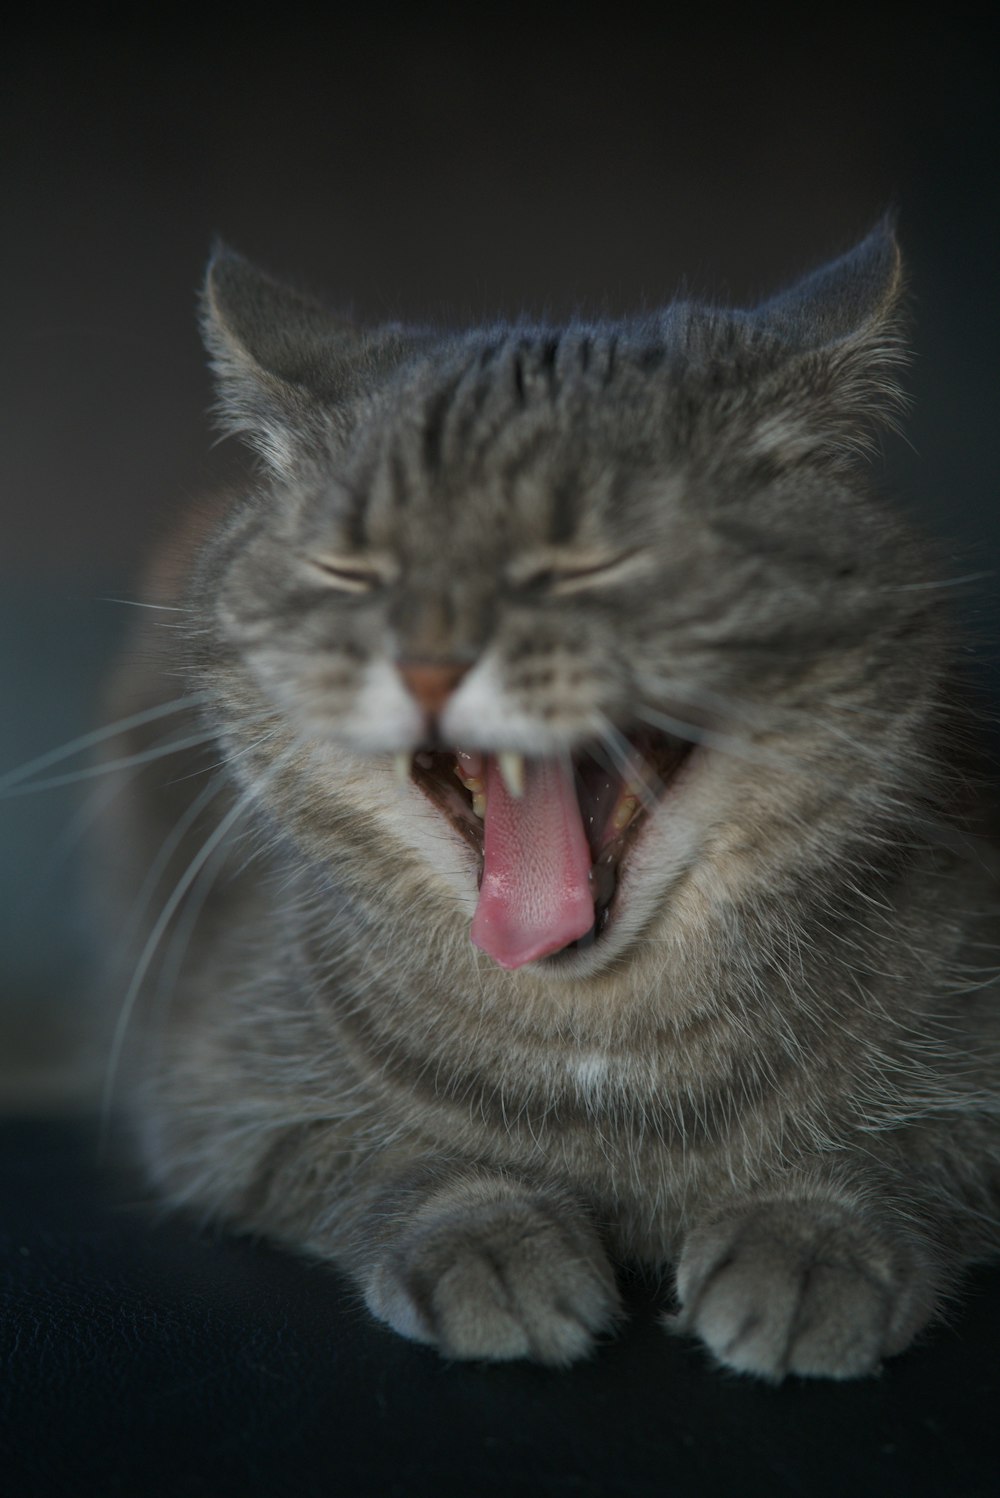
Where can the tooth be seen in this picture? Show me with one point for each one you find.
(479, 804)
(401, 767)
(624, 813)
(468, 763)
(511, 767)
(472, 783)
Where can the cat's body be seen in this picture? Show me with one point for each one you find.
(775, 1060)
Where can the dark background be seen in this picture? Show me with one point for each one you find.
(446, 165)
(424, 164)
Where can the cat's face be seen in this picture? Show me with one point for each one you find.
(604, 600)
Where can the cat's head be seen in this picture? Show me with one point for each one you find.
(612, 597)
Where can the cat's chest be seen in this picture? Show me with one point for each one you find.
(602, 1110)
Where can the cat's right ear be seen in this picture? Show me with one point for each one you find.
(284, 365)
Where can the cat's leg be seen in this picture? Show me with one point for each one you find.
(816, 1282)
(482, 1266)
(476, 1262)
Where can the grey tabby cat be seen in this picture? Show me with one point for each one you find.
(565, 865)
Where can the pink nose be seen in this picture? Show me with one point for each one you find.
(431, 683)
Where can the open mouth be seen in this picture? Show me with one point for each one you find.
(552, 835)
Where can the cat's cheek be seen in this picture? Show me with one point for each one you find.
(367, 709)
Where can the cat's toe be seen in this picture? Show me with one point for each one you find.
(498, 1283)
(785, 1289)
(761, 1318)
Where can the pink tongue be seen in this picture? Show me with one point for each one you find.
(535, 896)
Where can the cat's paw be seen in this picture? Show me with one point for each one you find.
(802, 1287)
(506, 1279)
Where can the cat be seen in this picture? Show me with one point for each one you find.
(563, 860)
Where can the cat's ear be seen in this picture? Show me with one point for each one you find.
(850, 297)
(839, 334)
(285, 365)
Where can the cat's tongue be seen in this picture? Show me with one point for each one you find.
(535, 897)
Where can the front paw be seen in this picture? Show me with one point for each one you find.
(802, 1287)
(514, 1278)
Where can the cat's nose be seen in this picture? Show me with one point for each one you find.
(431, 683)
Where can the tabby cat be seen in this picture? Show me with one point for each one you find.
(561, 860)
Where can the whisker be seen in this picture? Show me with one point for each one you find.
(166, 851)
(74, 833)
(91, 772)
(99, 735)
(946, 582)
(134, 603)
(697, 734)
(176, 836)
(173, 960)
(755, 717)
(229, 759)
(166, 915)
(67, 840)
(633, 767)
(187, 879)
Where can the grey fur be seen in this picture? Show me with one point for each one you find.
(777, 1068)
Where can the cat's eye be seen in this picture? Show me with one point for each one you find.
(564, 572)
(350, 574)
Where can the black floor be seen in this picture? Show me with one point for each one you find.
(141, 1358)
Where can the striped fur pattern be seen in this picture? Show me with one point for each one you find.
(776, 1068)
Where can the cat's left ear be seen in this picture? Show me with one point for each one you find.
(841, 350)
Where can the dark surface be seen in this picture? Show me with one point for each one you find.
(143, 1358)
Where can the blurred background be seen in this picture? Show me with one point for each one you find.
(429, 165)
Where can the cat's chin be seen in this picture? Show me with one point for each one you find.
(604, 806)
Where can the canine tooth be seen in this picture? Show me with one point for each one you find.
(625, 811)
(479, 804)
(401, 767)
(511, 767)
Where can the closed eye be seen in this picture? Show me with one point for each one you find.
(562, 574)
(347, 574)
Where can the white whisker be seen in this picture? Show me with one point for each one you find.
(166, 852)
(153, 940)
(134, 603)
(92, 772)
(741, 748)
(72, 834)
(945, 582)
(188, 919)
(99, 735)
(633, 767)
(76, 829)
